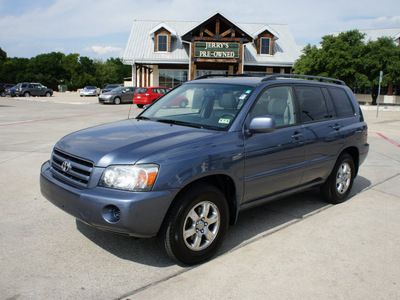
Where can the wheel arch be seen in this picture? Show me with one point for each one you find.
(355, 154)
(221, 181)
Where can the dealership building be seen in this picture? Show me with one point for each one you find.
(166, 53)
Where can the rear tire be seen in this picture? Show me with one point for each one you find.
(338, 185)
(140, 105)
(26, 94)
(196, 224)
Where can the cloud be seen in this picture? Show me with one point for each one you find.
(106, 51)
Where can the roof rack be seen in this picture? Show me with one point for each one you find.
(273, 76)
(319, 78)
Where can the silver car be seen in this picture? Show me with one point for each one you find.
(89, 90)
(123, 94)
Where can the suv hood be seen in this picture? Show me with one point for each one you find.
(127, 141)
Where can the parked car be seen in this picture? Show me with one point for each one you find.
(180, 101)
(185, 174)
(109, 87)
(4, 87)
(89, 90)
(146, 95)
(11, 91)
(118, 95)
(28, 89)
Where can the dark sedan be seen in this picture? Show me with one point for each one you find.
(123, 94)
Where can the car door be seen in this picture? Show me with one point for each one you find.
(273, 160)
(127, 94)
(321, 132)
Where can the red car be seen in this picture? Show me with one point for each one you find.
(146, 95)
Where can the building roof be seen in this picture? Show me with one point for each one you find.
(140, 46)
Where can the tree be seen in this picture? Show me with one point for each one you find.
(380, 55)
(348, 58)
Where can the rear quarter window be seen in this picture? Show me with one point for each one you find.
(341, 102)
(141, 91)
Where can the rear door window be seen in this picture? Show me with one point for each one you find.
(312, 104)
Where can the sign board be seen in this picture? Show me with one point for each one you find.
(216, 50)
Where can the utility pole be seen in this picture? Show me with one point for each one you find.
(379, 93)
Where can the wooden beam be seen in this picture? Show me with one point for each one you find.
(217, 24)
(226, 32)
(209, 32)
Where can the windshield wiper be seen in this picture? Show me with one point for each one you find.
(142, 118)
(182, 123)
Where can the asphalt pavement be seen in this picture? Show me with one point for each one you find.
(296, 248)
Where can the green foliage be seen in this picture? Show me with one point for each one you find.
(349, 58)
(56, 68)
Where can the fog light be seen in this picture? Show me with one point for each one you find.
(111, 213)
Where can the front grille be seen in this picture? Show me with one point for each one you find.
(79, 172)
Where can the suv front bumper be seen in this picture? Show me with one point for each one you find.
(141, 213)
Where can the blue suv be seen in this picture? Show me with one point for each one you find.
(184, 173)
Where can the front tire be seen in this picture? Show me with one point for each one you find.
(117, 100)
(338, 185)
(196, 224)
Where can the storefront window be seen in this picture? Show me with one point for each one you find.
(207, 72)
(171, 78)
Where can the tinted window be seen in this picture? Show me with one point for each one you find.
(311, 103)
(341, 102)
(329, 104)
(276, 102)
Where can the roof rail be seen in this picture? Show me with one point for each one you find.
(319, 78)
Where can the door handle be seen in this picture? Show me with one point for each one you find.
(297, 135)
(336, 127)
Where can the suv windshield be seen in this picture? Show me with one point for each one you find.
(211, 106)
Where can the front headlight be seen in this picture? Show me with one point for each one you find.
(138, 178)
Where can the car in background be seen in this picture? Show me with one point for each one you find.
(4, 87)
(146, 95)
(109, 87)
(28, 89)
(180, 101)
(89, 90)
(11, 91)
(123, 94)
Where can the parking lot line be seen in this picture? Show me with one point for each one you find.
(388, 139)
(58, 118)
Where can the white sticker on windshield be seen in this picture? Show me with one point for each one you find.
(224, 121)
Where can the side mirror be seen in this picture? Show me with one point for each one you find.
(262, 124)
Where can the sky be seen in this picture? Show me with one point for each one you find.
(100, 29)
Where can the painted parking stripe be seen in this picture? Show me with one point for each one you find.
(387, 139)
(51, 119)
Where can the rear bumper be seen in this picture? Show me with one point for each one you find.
(142, 213)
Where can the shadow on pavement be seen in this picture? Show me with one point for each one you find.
(251, 223)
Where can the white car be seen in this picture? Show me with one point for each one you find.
(90, 90)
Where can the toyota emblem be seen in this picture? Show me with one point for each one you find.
(66, 166)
